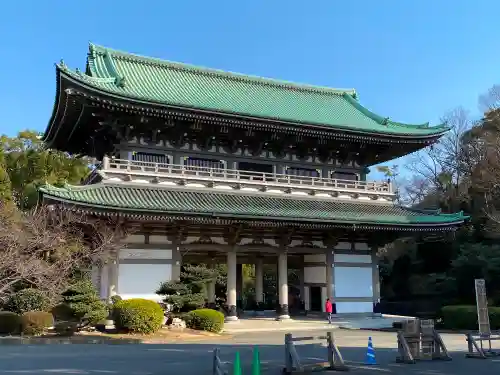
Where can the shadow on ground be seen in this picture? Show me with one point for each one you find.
(196, 359)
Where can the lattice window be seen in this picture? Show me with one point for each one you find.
(147, 157)
(200, 164)
(302, 172)
(350, 176)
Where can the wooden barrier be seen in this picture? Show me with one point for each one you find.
(292, 359)
(420, 341)
(476, 350)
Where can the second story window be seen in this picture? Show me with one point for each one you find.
(302, 172)
(147, 157)
(199, 164)
(349, 176)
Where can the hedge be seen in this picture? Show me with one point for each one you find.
(36, 322)
(10, 323)
(27, 300)
(465, 317)
(205, 320)
(138, 315)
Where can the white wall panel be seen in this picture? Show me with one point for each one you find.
(352, 258)
(142, 280)
(315, 258)
(145, 254)
(344, 246)
(315, 275)
(354, 307)
(353, 282)
(361, 246)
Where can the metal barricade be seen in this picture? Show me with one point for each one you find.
(218, 366)
(292, 359)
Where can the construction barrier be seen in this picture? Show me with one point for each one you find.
(220, 369)
(476, 350)
(292, 359)
(420, 341)
(218, 365)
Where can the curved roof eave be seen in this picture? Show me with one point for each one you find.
(86, 82)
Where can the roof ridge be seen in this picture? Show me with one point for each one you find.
(97, 49)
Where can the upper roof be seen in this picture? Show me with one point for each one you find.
(128, 198)
(180, 85)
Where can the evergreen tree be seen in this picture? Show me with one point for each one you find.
(83, 303)
(190, 292)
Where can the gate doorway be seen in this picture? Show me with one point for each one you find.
(315, 296)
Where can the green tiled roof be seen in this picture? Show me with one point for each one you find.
(163, 82)
(161, 200)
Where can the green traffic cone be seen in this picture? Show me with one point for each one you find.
(237, 364)
(256, 362)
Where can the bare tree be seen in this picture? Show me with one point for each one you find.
(43, 248)
(436, 173)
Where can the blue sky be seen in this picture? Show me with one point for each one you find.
(409, 60)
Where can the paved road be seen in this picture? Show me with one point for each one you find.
(195, 358)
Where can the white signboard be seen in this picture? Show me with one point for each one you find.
(483, 317)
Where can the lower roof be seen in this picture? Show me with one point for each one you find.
(147, 200)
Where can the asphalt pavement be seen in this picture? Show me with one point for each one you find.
(195, 358)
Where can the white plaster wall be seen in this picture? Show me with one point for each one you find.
(354, 307)
(353, 282)
(352, 258)
(315, 275)
(361, 246)
(130, 253)
(142, 280)
(135, 238)
(315, 258)
(343, 246)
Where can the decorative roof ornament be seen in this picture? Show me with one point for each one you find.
(385, 121)
(120, 81)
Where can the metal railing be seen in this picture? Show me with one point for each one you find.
(240, 176)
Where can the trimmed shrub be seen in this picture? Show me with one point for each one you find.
(36, 322)
(115, 299)
(27, 300)
(66, 328)
(83, 303)
(10, 323)
(205, 320)
(465, 317)
(138, 315)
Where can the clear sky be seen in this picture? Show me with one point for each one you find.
(409, 60)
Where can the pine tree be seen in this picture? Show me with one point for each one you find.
(190, 292)
(83, 303)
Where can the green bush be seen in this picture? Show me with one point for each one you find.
(465, 317)
(36, 322)
(205, 320)
(138, 315)
(27, 300)
(10, 323)
(83, 304)
(115, 299)
(66, 328)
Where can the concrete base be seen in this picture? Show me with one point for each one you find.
(283, 317)
(231, 319)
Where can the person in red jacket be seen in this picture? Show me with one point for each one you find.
(329, 310)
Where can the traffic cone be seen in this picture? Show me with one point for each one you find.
(370, 353)
(237, 364)
(256, 362)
